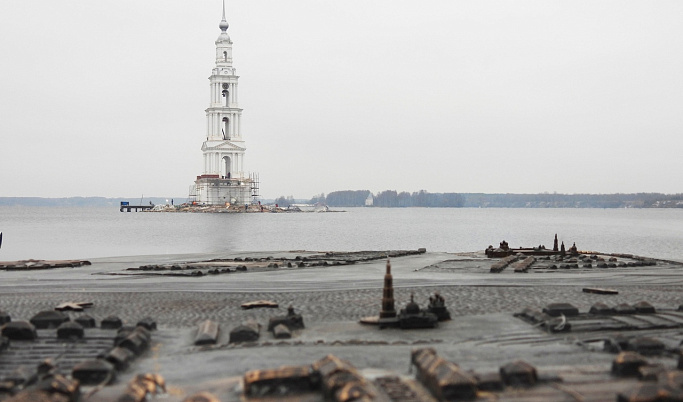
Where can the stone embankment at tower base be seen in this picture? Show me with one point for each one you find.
(235, 209)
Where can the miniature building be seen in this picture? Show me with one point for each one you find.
(48, 319)
(224, 179)
(249, 331)
(519, 374)
(341, 381)
(437, 306)
(284, 380)
(207, 333)
(86, 321)
(111, 322)
(281, 331)
(442, 378)
(19, 331)
(412, 317)
(292, 320)
(93, 372)
(388, 310)
(573, 251)
(503, 250)
(555, 247)
(70, 330)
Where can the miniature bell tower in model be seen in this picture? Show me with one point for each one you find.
(388, 310)
(224, 180)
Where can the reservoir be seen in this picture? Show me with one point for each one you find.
(92, 232)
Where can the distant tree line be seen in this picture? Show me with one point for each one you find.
(391, 199)
(422, 198)
(284, 202)
(346, 198)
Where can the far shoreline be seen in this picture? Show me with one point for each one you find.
(394, 199)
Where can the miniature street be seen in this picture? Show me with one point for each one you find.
(332, 292)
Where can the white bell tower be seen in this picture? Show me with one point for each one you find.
(224, 146)
(224, 180)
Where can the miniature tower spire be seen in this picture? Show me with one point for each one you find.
(388, 310)
(555, 243)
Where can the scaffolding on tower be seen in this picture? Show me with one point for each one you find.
(254, 179)
(192, 194)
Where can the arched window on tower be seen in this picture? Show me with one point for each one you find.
(226, 94)
(225, 56)
(226, 128)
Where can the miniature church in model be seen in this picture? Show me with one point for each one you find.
(224, 180)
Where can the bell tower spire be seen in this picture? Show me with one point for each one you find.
(224, 24)
(223, 44)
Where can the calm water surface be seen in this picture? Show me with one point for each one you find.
(71, 232)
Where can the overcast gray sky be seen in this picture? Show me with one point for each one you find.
(107, 98)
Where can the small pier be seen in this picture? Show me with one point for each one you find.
(126, 207)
